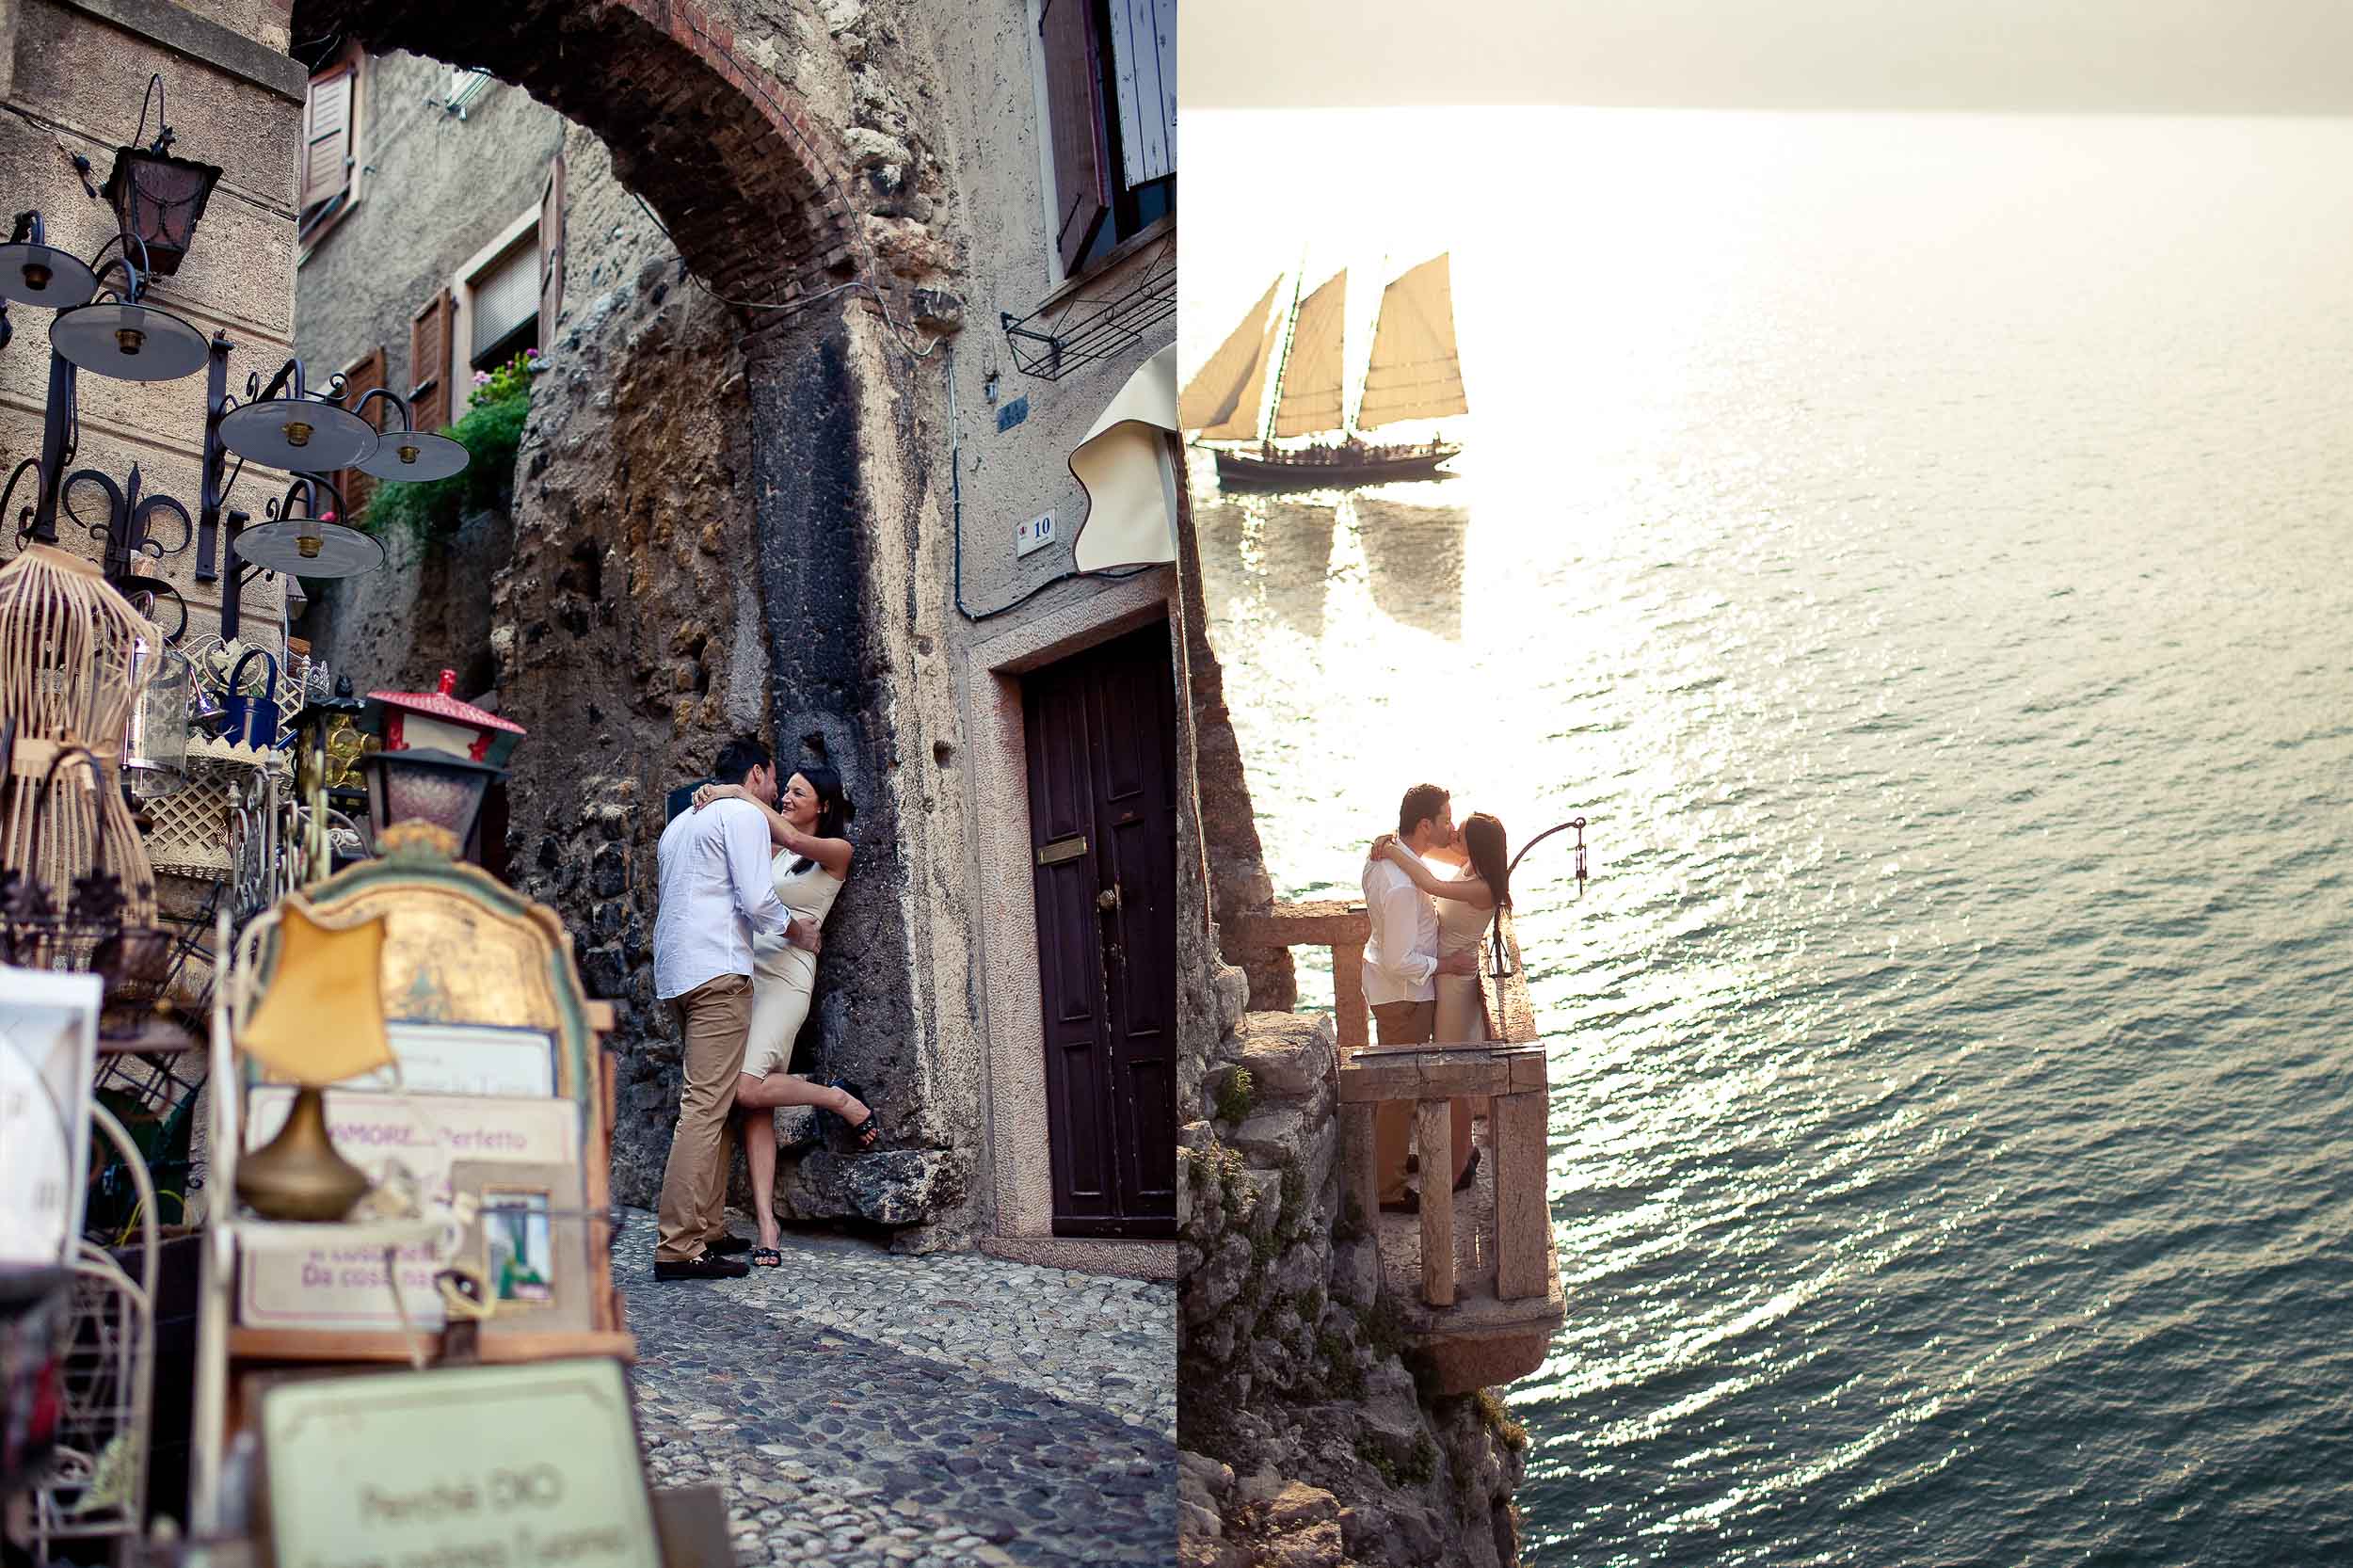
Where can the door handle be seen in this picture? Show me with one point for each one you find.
(1108, 900)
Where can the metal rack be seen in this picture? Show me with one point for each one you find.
(1100, 323)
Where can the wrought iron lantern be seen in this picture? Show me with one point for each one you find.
(157, 197)
(439, 786)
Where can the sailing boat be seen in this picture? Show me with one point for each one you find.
(1414, 374)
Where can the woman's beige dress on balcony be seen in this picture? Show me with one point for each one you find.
(1460, 1015)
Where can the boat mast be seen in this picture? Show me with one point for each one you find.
(1349, 411)
(1283, 356)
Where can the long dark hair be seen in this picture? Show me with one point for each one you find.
(834, 808)
(1484, 841)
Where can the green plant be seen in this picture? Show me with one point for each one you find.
(1498, 1421)
(1423, 1463)
(1236, 1096)
(491, 432)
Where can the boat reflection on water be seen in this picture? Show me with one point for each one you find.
(1274, 561)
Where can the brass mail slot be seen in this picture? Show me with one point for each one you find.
(1063, 849)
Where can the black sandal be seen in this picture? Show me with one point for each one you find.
(767, 1257)
(862, 1134)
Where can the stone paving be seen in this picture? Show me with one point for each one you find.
(857, 1407)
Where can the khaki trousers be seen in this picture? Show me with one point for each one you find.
(1396, 1023)
(714, 1019)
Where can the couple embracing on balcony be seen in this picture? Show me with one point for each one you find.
(747, 877)
(1430, 892)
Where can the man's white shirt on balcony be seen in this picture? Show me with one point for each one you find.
(1403, 955)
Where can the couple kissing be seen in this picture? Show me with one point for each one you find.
(1431, 889)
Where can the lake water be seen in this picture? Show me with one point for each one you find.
(1923, 547)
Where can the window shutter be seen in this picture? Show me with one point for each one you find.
(1144, 68)
(363, 378)
(1081, 194)
(428, 363)
(551, 254)
(327, 136)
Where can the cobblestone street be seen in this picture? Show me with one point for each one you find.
(858, 1407)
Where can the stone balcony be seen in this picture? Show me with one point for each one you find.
(1476, 1277)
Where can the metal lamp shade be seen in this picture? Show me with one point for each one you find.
(155, 753)
(45, 275)
(414, 456)
(439, 786)
(300, 434)
(130, 343)
(301, 546)
(157, 199)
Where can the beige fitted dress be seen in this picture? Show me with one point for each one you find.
(782, 974)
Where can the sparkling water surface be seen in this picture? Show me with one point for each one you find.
(1922, 548)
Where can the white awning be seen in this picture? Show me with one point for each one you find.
(1128, 465)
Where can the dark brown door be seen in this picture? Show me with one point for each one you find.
(1102, 751)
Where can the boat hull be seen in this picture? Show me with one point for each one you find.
(1330, 468)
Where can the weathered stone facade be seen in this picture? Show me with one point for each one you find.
(746, 489)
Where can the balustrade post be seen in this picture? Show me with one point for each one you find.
(1435, 1124)
(1354, 1020)
(1523, 1218)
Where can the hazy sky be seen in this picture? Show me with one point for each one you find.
(2241, 57)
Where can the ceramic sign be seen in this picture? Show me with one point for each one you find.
(500, 1466)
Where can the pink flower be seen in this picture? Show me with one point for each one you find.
(531, 353)
(481, 378)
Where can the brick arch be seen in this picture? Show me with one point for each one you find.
(745, 180)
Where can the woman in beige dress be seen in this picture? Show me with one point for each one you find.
(1467, 903)
(813, 861)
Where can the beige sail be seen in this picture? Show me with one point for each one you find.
(1311, 377)
(1214, 400)
(1415, 372)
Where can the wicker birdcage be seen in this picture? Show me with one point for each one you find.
(66, 691)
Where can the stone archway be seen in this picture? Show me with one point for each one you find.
(787, 170)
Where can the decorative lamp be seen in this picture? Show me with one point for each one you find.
(310, 547)
(320, 1022)
(34, 272)
(439, 719)
(128, 340)
(155, 752)
(437, 787)
(416, 455)
(157, 199)
(301, 434)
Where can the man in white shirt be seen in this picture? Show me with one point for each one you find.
(1400, 965)
(718, 887)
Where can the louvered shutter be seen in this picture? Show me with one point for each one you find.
(551, 254)
(327, 136)
(428, 363)
(363, 378)
(1081, 194)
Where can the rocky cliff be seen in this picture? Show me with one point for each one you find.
(1305, 1441)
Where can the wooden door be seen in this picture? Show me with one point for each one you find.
(1101, 737)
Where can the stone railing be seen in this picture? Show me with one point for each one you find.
(1478, 1274)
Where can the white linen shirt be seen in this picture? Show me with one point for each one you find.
(718, 886)
(1403, 955)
